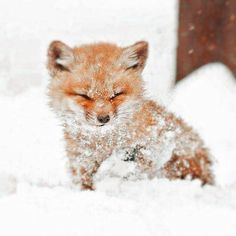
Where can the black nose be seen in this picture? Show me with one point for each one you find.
(103, 119)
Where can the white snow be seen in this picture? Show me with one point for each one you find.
(7, 184)
(35, 194)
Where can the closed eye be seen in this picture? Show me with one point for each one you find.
(116, 95)
(84, 96)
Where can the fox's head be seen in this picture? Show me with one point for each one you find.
(98, 82)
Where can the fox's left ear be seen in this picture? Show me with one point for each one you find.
(134, 57)
(60, 57)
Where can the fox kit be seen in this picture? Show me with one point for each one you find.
(97, 91)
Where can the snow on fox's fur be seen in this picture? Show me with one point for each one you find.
(97, 91)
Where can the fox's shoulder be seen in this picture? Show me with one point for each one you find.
(152, 112)
(148, 111)
(155, 114)
(151, 108)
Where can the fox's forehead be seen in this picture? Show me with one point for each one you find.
(98, 62)
(102, 54)
(97, 86)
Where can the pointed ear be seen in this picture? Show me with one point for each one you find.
(60, 57)
(134, 57)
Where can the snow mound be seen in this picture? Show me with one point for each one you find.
(157, 207)
(31, 139)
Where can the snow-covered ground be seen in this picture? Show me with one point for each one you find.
(35, 194)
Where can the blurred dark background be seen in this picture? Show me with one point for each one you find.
(206, 33)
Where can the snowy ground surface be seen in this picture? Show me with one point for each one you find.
(35, 196)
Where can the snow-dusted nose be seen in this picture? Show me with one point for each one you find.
(103, 119)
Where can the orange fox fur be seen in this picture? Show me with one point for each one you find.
(97, 90)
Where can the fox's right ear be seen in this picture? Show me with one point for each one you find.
(134, 57)
(60, 57)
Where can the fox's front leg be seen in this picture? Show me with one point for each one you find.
(87, 172)
(84, 159)
(82, 169)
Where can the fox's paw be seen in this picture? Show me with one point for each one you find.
(196, 167)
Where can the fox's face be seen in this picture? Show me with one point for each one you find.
(98, 83)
